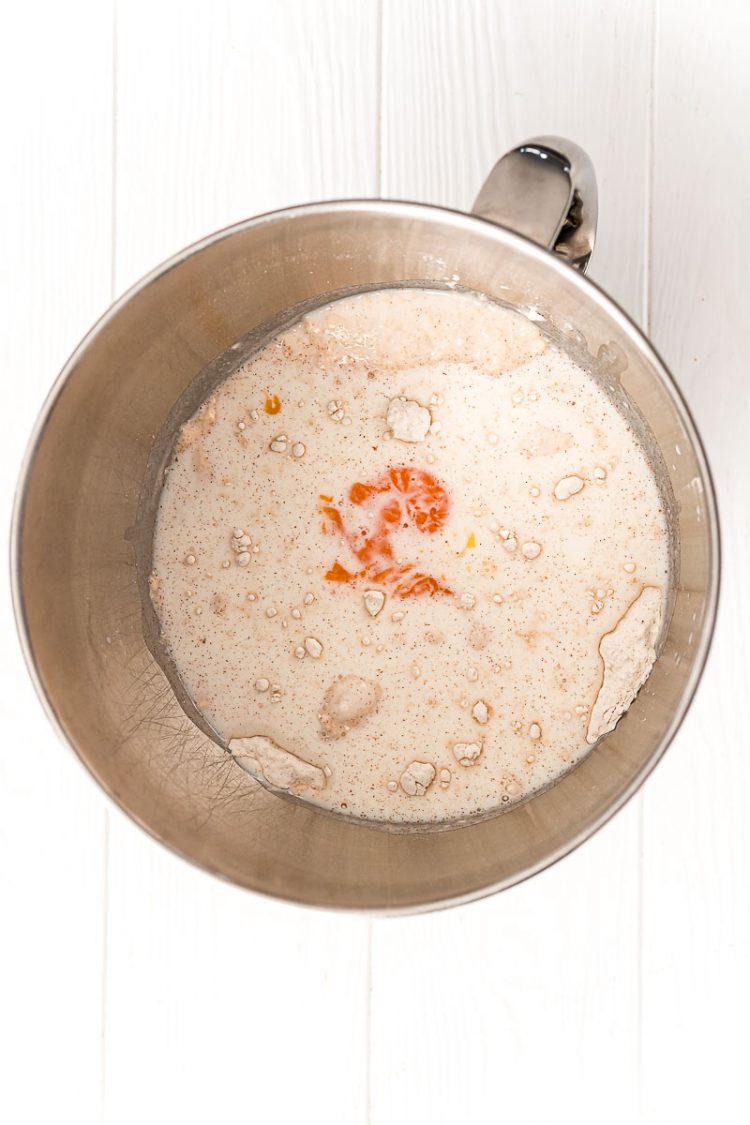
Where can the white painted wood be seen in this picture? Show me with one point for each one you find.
(227, 1007)
(219, 1005)
(696, 952)
(465, 81)
(230, 109)
(548, 974)
(55, 223)
(595, 990)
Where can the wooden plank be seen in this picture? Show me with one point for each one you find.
(465, 82)
(696, 907)
(55, 215)
(235, 110)
(224, 1005)
(550, 970)
(468, 1005)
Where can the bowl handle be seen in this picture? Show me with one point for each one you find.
(545, 189)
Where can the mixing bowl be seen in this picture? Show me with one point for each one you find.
(79, 528)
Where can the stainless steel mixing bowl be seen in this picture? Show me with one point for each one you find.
(75, 528)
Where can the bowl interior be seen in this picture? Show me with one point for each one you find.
(76, 535)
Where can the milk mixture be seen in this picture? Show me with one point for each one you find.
(410, 561)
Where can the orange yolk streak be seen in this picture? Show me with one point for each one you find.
(401, 498)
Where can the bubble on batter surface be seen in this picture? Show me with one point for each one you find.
(408, 420)
(467, 753)
(347, 703)
(374, 601)
(481, 712)
(567, 487)
(417, 778)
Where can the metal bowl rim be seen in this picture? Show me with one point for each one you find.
(470, 224)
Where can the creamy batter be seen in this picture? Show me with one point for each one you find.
(410, 561)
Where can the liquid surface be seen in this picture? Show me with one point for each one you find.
(410, 561)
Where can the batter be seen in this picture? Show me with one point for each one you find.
(410, 561)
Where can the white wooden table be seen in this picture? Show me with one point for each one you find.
(615, 986)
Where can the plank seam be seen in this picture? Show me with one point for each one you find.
(647, 325)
